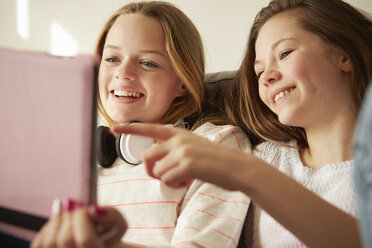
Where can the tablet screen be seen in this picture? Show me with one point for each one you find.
(48, 120)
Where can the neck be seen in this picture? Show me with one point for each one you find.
(329, 143)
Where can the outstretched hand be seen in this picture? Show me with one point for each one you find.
(182, 156)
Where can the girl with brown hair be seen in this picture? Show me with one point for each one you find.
(298, 92)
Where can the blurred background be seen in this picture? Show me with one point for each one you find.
(71, 27)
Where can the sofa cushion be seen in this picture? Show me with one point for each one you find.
(216, 86)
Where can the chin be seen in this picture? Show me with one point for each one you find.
(285, 120)
(132, 117)
(121, 118)
(127, 120)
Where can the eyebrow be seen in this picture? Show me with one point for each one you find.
(112, 47)
(273, 46)
(142, 51)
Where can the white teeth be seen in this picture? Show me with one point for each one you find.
(281, 94)
(126, 93)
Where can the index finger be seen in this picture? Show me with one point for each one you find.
(155, 131)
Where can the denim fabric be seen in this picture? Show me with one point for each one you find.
(363, 168)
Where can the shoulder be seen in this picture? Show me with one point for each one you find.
(273, 153)
(225, 134)
(208, 129)
(270, 147)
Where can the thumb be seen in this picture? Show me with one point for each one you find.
(111, 225)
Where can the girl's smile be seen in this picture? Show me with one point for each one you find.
(299, 74)
(126, 95)
(136, 78)
(280, 94)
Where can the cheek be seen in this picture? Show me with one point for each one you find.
(103, 79)
(103, 93)
(302, 68)
(262, 91)
(101, 85)
(101, 88)
(169, 89)
(163, 95)
(298, 73)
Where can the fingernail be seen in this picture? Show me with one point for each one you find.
(99, 211)
(68, 204)
(56, 207)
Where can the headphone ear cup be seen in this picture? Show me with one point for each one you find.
(122, 143)
(129, 147)
(106, 153)
(118, 145)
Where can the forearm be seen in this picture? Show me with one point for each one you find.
(314, 221)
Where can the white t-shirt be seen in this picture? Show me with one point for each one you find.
(161, 216)
(332, 182)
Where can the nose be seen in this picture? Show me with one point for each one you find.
(270, 76)
(126, 71)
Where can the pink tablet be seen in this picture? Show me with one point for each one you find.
(48, 120)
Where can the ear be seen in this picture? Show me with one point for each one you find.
(181, 91)
(344, 63)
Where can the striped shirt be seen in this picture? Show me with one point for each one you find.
(160, 216)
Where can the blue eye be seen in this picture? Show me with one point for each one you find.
(148, 64)
(111, 60)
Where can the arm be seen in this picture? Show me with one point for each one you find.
(211, 216)
(184, 156)
(314, 221)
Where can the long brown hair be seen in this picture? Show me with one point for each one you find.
(184, 48)
(339, 24)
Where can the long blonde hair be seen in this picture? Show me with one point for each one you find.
(184, 48)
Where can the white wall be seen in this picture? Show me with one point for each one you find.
(72, 26)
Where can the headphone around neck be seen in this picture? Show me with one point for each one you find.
(128, 147)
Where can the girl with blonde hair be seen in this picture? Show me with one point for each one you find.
(152, 70)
